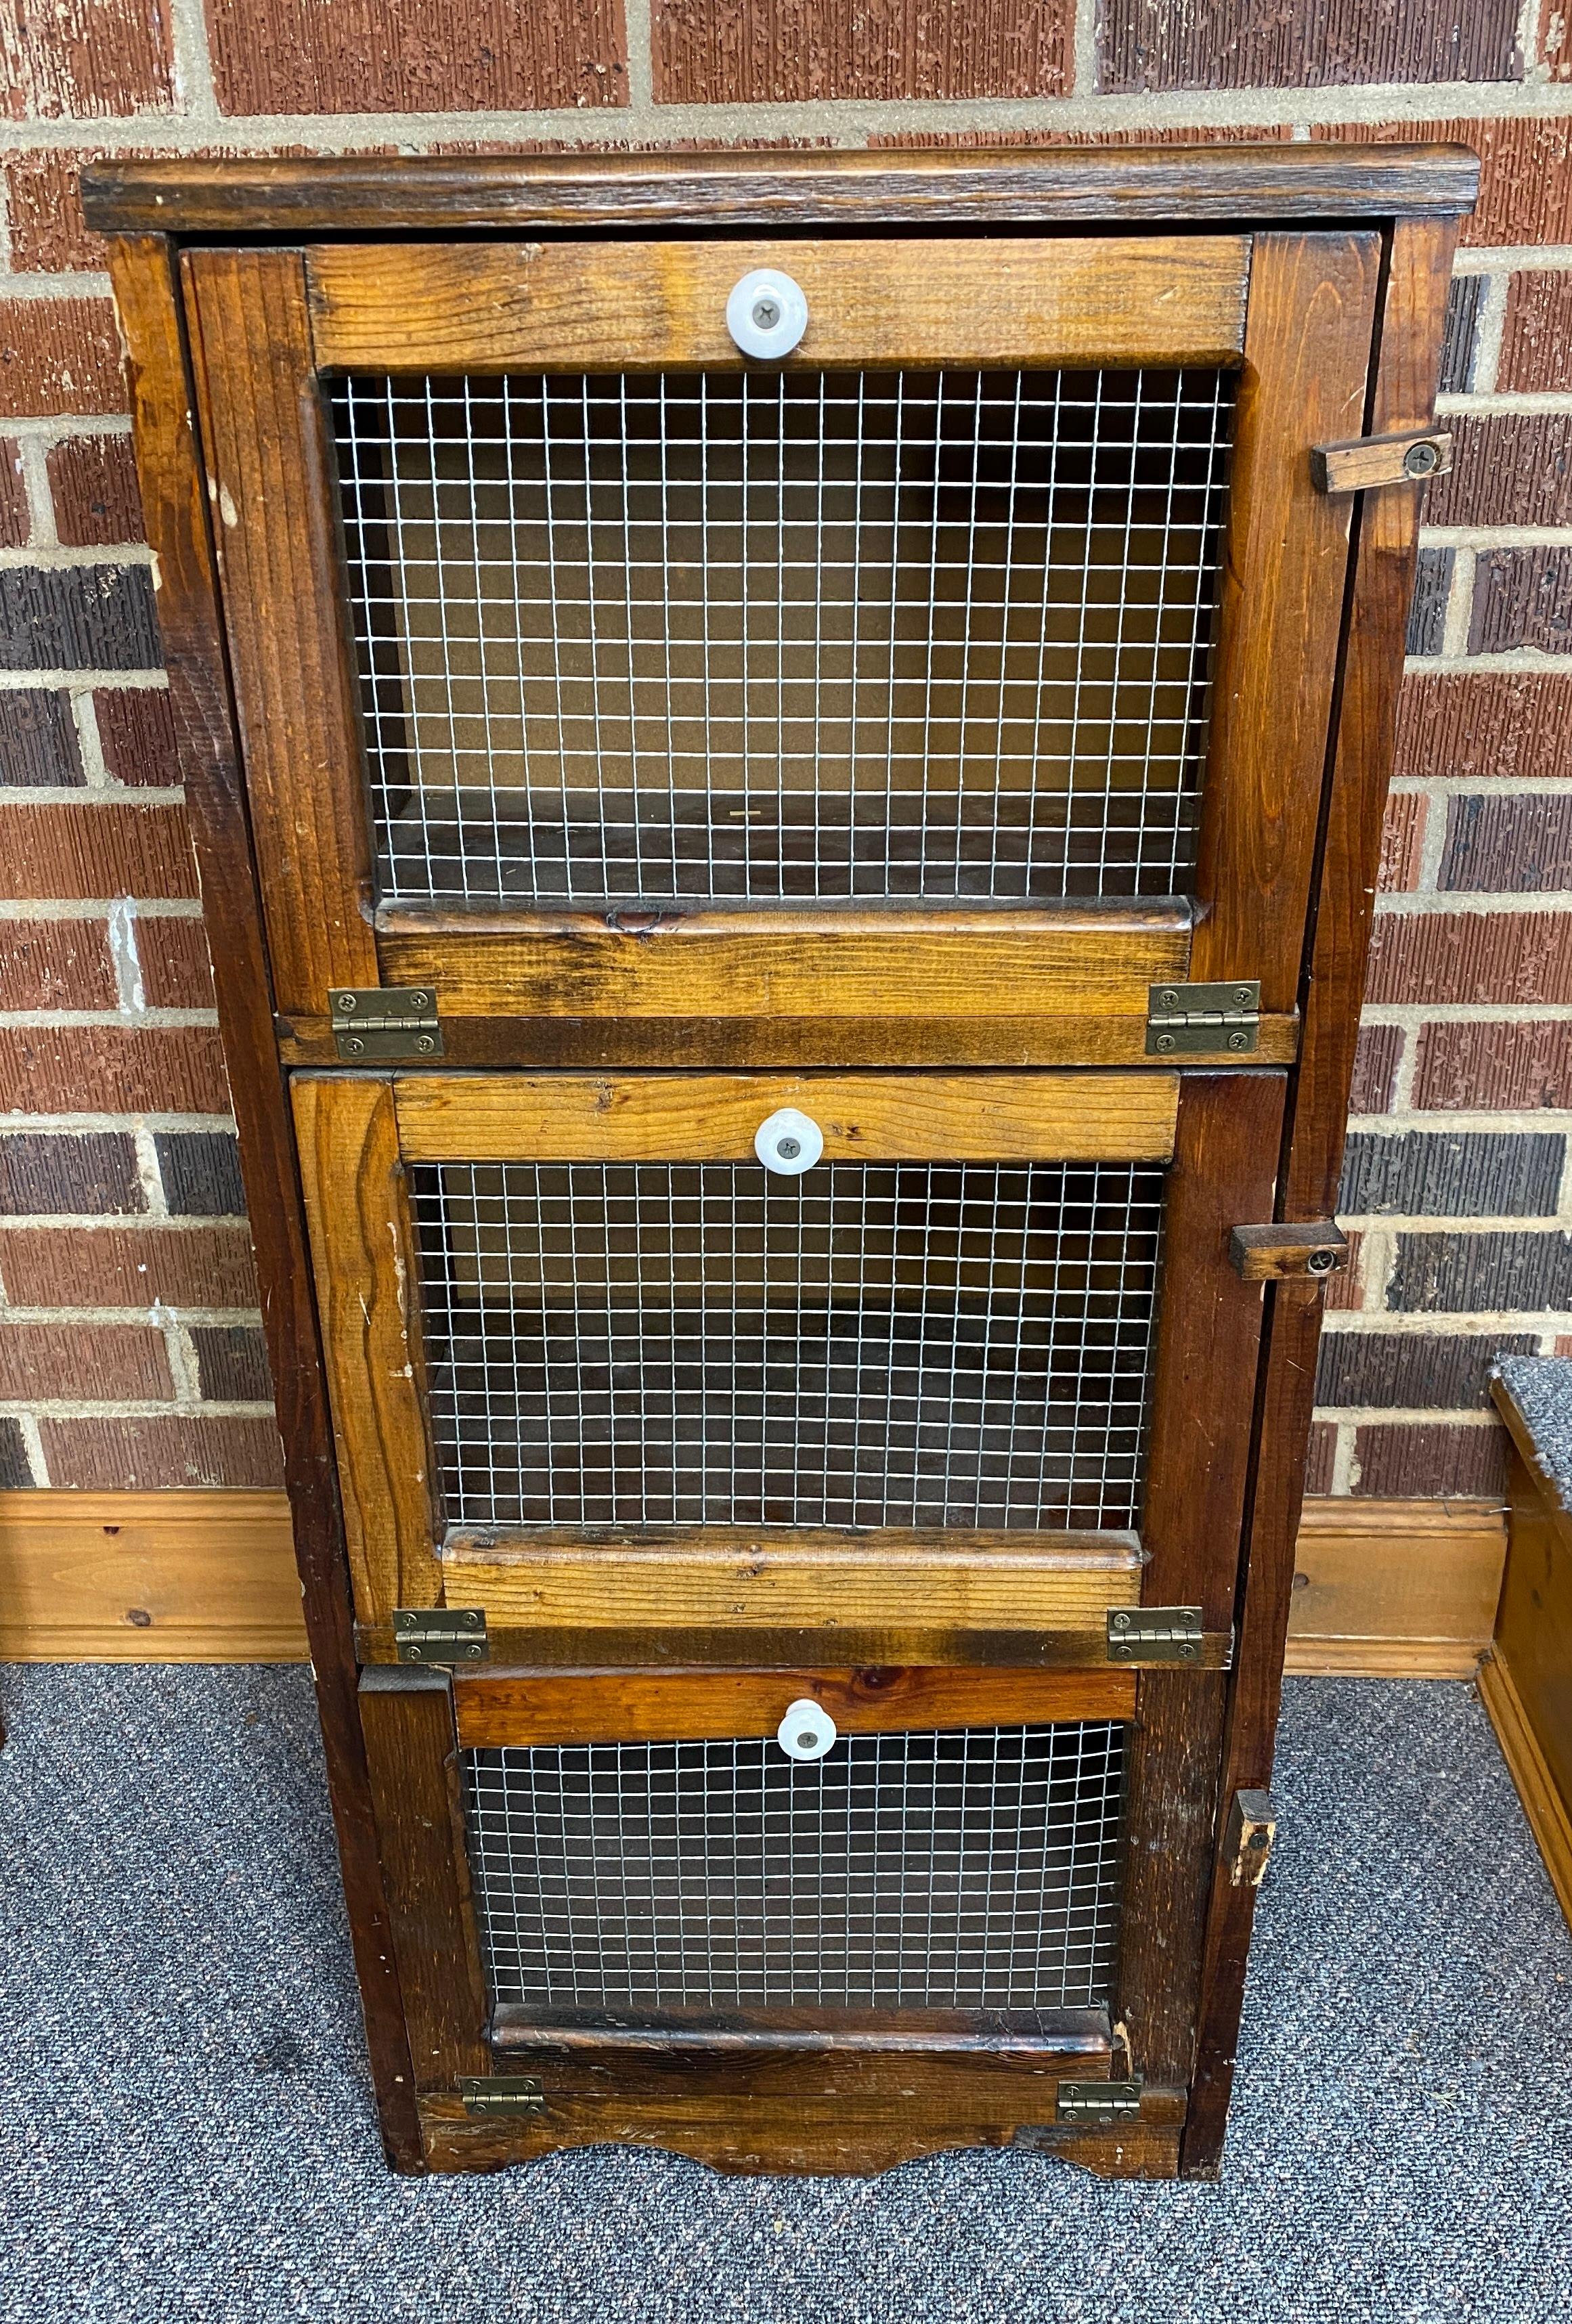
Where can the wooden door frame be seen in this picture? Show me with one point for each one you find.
(919, 984)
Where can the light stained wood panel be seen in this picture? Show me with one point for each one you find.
(713, 1117)
(650, 306)
(364, 1265)
(747, 1579)
(1395, 1589)
(942, 962)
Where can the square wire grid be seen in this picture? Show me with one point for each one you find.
(974, 1868)
(785, 634)
(871, 1345)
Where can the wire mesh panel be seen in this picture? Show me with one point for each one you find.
(775, 635)
(906, 1343)
(965, 1869)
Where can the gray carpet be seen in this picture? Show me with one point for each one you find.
(1542, 1388)
(185, 2127)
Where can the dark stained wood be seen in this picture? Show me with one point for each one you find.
(1306, 356)
(1171, 1803)
(1018, 2039)
(915, 1642)
(1276, 1254)
(270, 480)
(1411, 320)
(660, 306)
(1224, 1163)
(993, 1037)
(495, 192)
(629, 1706)
(174, 502)
(412, 1751)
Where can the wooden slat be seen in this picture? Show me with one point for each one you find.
(201, 1577)
(733, 1578)
(1411, 324)
(1541, 1786)
(991, 1039)
(1018, 961)
(624, 1707)
(176, 509)
(654, 306)
(1408, 1589)
(270, 473)
(410, 1749)
(1306, 356)
(430, 193)
(364, 1268)
(713, 1117)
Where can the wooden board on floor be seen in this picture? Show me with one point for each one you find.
(1395, 1589)
(165, 1577)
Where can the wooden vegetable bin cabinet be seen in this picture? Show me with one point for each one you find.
(788, 755)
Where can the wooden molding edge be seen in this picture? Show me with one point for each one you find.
(1542, 1803)
(1395, 1589)
(1389, 1589)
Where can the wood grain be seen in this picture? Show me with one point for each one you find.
(1541, 1786)
(1400, 1587)
(365, 1273)
(991, 1038)
(659, 306)
(591, 1707)
(502, 193)
(412, 1754)
(1411, 321)
(895, 962)
(712, 1117)
(270, 470)
(174, 501)
(201, 1577)
(1307, 359)
(734, 1578)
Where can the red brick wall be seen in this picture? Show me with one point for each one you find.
(129, 1347)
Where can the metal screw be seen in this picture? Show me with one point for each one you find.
(1120, 1621)
(471, 1653)
(1258, 1838)
(806, 1739)
(424, 1044)
(1167, 999)
(420, 1000)
(1164, 1042)
(354, 1045)
(1237, 1040)
(766, 313)
(1189, 1650)
(1421, 459)
(1319, 1262)
(347, 1004)
(789, 1148)
(1242, 996)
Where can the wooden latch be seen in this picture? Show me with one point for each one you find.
(1283, 1253)
(1369, 461)
(1252, 1829)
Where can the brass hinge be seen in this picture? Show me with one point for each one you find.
(388, 1021)
(1366, 462)
(1154, 1634)
(440, 1634)
(1181, 1018)
(1252, 1829)
(1279, 1254)
(491, 2094)
(1099, 2102)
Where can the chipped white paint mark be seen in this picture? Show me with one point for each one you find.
(123, 952)
(227, 508)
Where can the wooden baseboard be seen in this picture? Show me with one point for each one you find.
(1395, 1589)
(1535, 1787)
(1390, 1589)
(167, 1577)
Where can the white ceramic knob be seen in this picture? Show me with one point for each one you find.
(806, 1732)
(766, 314)
(788, 1143)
